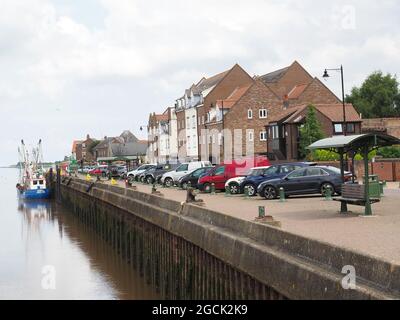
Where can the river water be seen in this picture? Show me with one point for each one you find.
(46, 253)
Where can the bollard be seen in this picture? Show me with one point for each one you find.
(261, 212)
(246, 193)
(127, 183)
(227, 191)
(282, 195)
(189, 185)
(113, 182)
(328, 194)
(381, 189)
(213, 188)
(88, 177)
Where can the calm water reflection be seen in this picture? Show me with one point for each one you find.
(37, 238)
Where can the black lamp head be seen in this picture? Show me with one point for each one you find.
(326, 74)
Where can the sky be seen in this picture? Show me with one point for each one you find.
(71, 68)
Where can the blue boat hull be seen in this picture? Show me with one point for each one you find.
(35, 194)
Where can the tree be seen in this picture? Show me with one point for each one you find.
(310, 132)
(378, 96)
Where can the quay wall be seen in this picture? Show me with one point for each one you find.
(190, 252)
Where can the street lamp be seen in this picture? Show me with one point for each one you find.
(326, 76)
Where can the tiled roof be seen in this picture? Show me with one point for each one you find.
(285, 114)
(333, 112)
(207, 83)
(296, 92)
(234, 97)
(274, 76)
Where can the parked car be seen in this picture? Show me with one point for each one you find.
(252, 181)
(154, 175)
(99, 171)
(133, 175)
(170, 178)
(193, 178)
(234, 183)
(116, 171)
(310, 180)
(222, 173)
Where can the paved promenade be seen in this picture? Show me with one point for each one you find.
(319, 219)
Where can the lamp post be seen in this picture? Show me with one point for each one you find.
(325, 76)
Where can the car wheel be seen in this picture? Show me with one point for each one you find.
(207, 188)
(234, 188)
(150, 180)
(251, 189)
(270, 193)
(169, 182)
(325, 186)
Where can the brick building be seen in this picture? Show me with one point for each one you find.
(83, 151)
(246, 110)
(284, 128)
(390, 126)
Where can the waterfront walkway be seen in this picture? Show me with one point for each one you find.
(316, 218)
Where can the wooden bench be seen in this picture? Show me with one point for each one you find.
(354, 194)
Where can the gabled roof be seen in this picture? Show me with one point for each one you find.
(334, 112)
(104, 143)
(274, 76)
(207, 83)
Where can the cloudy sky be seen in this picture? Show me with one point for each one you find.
(69, 67)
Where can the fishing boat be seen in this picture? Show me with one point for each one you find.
(32, 181)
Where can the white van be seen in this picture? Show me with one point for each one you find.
(170, 178)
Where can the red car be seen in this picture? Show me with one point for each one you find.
(225, 171)
(99, 171)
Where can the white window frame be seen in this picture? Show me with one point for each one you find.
(249, 114)
(263, 113)
(263, 135)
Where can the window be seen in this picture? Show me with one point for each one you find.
(194, 142)
(220, 171)
(198, 173)
(263, 136)
(314, 172)
(183, 167)
(188, 142)
(275, 132)
(249, 114)
(271, 170)
(351, 128)
(263, 113)
(194, 122)
(338, 128)
(251, 136)
(297, 174)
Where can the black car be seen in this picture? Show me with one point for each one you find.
(193, 177)
(311, 180)
(257, 177)
(115, 171)
(154, 174)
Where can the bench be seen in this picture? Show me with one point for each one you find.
(354, 194)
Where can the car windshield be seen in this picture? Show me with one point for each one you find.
(256, 172)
